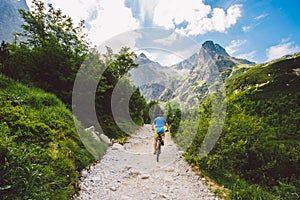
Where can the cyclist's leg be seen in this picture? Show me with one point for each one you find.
(163, 138)
(155, 141)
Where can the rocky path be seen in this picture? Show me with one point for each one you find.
(131, 172)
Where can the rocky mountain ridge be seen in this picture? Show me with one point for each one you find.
(189, 80)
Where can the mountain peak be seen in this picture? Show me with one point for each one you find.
(214, 48)
(142, 55)
(142, 59)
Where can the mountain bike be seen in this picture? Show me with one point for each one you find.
(158, 147)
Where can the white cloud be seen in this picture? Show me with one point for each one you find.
(77, 9)
(169, 40)
(248, 56)
(147, 8)
(110, 17)
(234, 46)
(282, 49)
(261, 16)
(162, 57)
(113, 19)
(166, 58)
(167, 47)
(246, 28)
(107, 19)
(127, 39)
(233, 13)
(169, 14)
(29, 3)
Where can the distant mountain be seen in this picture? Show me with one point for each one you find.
(213, 66)
(214, 49)
(148, 71)
(189, 63)
(10, 20)
(153, 78)
(189, 80)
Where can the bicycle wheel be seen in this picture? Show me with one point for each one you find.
(158, 149)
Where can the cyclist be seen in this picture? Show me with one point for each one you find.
(159, 126)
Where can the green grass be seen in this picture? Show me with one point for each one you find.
(257, 153)
(41, 152)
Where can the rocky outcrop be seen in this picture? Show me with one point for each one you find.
(99, 137)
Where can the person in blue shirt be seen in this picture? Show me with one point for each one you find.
(159, 126)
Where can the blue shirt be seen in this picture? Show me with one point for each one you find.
(159, 122)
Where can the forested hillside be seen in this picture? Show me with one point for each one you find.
(41, 150)
(53, 53)
(41, 153)
(257, 154)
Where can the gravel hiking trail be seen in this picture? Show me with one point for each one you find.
(130, 172)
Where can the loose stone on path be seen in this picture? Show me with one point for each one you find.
(130, 171)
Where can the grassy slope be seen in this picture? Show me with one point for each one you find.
(257, 155)
(41, 153)
(268, 97)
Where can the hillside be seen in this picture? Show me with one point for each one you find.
(41, 152)
(257, 154)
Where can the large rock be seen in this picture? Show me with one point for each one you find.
(92, 130)
(117, 146)
(105, 139)
(98, 137)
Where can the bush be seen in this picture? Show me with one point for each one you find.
(41, 152)
(259, 143)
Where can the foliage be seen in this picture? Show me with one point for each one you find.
(152, 110)
(111, 69)
(115, 80)
(259, 145)
(51, 54)
(173, 117)
(41, 153)
(137, 107)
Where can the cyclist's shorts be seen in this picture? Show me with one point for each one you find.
(159, 131)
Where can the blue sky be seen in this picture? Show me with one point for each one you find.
(258, 30)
